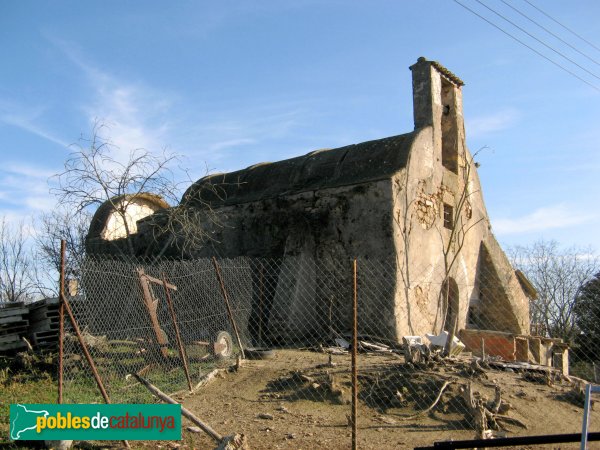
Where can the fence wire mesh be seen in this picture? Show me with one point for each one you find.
(439, 355)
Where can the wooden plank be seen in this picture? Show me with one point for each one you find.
(43, 319)
(44, 327)
(17, 323)
(8, 305)
(33, 320)
(45, 343)
(37, 323)
(42, 334)
(5, 320)
(7, 312)
(46, 333)
(44, 308)
(22, 332)
(46, 340)
(10, 338)
(45, 302)
(157, 281)
(43, 313)
(151, 305)
(13, 327)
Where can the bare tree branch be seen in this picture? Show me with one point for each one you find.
(16, 265)
(53, 227)
(97, 172)
(558, 275)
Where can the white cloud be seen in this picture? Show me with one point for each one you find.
(29, 171)
(140, 116)
(545, 218)
(483, 125)
(25, 188)
(216, 146)
(39, 202)
(26, 119)
(133, 113)
(235, 128)
(19, 219)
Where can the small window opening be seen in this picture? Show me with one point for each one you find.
(448, 216)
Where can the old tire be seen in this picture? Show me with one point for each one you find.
(259, 353)
(223, 340)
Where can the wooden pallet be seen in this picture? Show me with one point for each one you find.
(13, 326)
(44, 323)
(45, 339)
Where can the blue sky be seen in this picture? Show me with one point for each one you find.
(229, 84)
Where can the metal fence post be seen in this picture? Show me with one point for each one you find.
(180, 347)
(228, 306)
(88, 356)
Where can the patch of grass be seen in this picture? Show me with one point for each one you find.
(25, 379)
(80, 386)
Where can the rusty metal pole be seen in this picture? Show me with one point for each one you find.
(182, 353)
(86, 352)
(228, 306)
(354, 350)
(61, 319)
(88, 356)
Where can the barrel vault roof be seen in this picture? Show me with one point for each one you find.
(353, 164)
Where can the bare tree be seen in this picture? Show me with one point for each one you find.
(558, 275)
(98, 172)
(53, 227)
(16, 265)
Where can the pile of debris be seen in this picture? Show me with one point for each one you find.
(423, 378)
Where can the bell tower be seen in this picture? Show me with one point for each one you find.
(437, 102)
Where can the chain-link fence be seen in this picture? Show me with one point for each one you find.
(439, 354)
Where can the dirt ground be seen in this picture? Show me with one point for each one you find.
(293, 402)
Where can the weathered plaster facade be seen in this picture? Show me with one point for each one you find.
(118, 218)
(412, 201)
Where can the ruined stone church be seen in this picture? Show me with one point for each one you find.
(413, 201)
